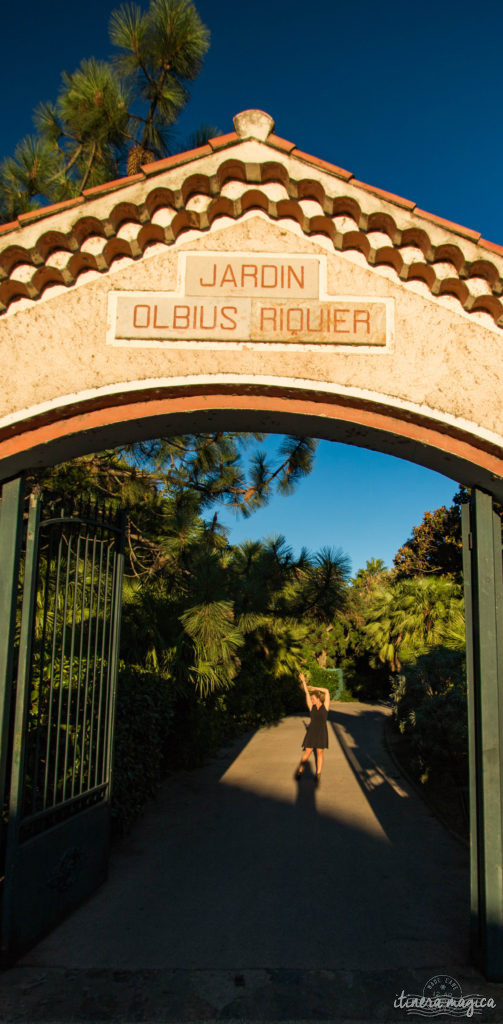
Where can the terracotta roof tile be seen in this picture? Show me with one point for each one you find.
(279, 143)
(11, 226)
(43, 211)
(474, 236)
(390, 196)
(343, 218)
(223, 140)
(322, 164)
(492, 246)
(111, 186)
(176, 160)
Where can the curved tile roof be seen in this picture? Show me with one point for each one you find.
(448, 258)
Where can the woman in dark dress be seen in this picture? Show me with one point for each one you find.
(316, 738)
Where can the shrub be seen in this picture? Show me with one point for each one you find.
(200, 725)
(331, 679)
(430, 710)
(143, 720)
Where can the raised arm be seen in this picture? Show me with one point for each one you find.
(327, 697)
(303, 684)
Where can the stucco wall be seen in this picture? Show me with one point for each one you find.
(440, 358)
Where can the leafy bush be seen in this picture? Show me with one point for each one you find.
(367, 681)
(330, 678)
(430, 710)
(259, 698)
(143, 720)
(200, 726)
(345, 695)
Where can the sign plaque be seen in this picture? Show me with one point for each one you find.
(244, 298)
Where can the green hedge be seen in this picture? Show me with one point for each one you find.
(202, 725)
(143, 721)
(157, 732)
(331, 679)
(430, 710)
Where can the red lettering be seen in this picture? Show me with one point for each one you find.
(210, 284)
(361, 316)
(268, 313)
(249, 270)
(225, 315)
(318, 327)
(292, 274)
(161, 326)
(273, 283)
(208, 327)
(289, 314)
(136, 316)
(228, 276)
(338, 314)
(181, 315)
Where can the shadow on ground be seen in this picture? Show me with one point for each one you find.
(246, 895)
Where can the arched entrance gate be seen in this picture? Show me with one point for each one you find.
(248, 285)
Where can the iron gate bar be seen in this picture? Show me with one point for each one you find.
(68, 552)
(116, 570)
(114, 660)
(88, 736)
(40, 684)
(95, 659)
(51, 680)
(94, 629)
(60, 811)
(11, 528)
(81, 648)
(70, 670)
(86, 691)
(102, 663)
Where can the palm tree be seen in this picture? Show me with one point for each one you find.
(412, 616)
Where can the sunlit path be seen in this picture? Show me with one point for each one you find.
(243, 895)
(239, 866)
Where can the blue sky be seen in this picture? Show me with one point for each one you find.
(407, 97)
(363, 502)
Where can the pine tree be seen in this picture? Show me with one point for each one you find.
(161, 51)
(110, 118)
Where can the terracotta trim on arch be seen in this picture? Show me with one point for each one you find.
(146, 396)
(117, 409)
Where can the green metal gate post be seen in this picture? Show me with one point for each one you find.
(484, 635)
(20, 722)
(11, 523)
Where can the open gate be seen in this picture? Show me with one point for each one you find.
(57, 708)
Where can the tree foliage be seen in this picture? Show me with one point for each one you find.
(191, 602)
(434, 547)
(111, 116)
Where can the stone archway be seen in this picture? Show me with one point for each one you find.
(248, 284)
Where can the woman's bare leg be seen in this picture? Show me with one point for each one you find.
(305, 757)
(319, 760)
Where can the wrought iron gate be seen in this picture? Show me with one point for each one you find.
(57, 764)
